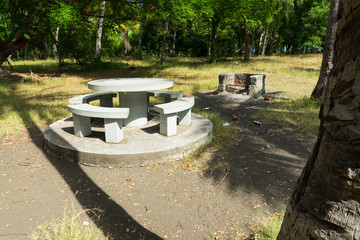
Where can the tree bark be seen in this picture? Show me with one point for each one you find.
(99, 31)
(56, 43)
(127, 45)
(212, 41)
(328, 53)
(325, 203)
(265, 39)
(140, 44)
(26, 51)
(249, 42)
(14, 44)
(163, 46)
(173, 54)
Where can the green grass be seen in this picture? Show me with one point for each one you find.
(70, 226)
(266, 227)
(300, 113)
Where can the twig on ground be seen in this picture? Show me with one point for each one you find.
(227, 172)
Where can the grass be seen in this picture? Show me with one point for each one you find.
(300, 113)
(70, 226)
(266, 227)
(39, 92)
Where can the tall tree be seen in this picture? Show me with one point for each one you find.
(328, 50)
(99, 31)
(163, 45)
(326, 200)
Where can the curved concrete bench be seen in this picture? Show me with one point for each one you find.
(169, 96)
(112, 120)
(104, 97)
(169, 112)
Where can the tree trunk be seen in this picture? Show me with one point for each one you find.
(249, 43)
(326, 201)
(328, 53)
(12, 46)
(173, 54)
(212, 46)
(163, 46)
(26, 51)
(99, 31)
(127, 45)
(270, 47)
(56, 43)
(140, 44)
(265, 39)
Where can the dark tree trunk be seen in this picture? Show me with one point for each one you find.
(270, 47)
(12, 46)
(99, 31)
(249, 43)
(326, 201)
(328, 53)
(212, 46)
(26, 51)
(140, 44)
(163, 46)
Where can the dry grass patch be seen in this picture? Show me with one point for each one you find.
(40, 94)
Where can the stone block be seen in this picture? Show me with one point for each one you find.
(113, 130)
(82, 125)
(185, 117)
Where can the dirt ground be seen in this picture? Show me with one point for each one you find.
(165, 201)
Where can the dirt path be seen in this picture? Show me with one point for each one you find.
(165, 201)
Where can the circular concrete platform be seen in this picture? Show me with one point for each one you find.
(140, 146)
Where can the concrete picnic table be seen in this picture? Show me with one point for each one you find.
(132, 94)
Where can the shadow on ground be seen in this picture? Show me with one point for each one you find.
(266, 160)
(113, 220)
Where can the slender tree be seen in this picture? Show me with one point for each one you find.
(325, 203)
(99, 31)
(328, 51)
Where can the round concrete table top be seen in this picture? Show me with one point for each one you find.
(130, 84)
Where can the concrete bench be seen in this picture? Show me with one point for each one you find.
(112, 120)
(104, 97)
(169, 96)
(170, 111)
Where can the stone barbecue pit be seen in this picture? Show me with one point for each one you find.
(242, 83)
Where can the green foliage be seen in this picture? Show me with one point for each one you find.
(213, 28)
(305, 27)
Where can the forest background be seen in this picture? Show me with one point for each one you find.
(92, 31)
